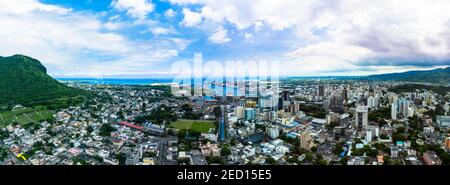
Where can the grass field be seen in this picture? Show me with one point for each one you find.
(24, 116)
(200, 126)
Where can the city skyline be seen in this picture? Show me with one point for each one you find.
(143, 38)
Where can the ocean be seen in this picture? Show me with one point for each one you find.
(117, 81)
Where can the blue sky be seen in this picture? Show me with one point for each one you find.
(144, 38)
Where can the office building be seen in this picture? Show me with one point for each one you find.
(361, 117)
(250, 114)
(394, 111)
(273, 132)
(222, 122)
(239, 112)
(332, 117)
(306, 141)
(321, 90)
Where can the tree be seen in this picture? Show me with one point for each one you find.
(314, 149)
(225, 150)
(106, 130)
(387, 160)
(90, 129)
(98, 158)
(343, 161)
(121, 158)
(233, 141)
(309, 157)
(338, 149)
(270, 161)
(184, 160)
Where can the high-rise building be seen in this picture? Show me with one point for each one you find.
(285, 95)
(273, 132)
(411, 111)
(375, 130)
(361, 117)
(222, 121)
(321, 90)
(369, 136)
(306, 141)
(393, 99)
(239, 112)
(345, 94)
(332, 117)
(403, 105)
(394, 111)
(268, 102)
(336, 104)
(372, 102)
(250, 114)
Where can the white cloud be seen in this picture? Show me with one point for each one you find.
(220, 36)
(69, 42)
(369, 33)
(162, 31)
(191, 18)
(114, 25)
(27, 6)
(333, 51)
(135, 8)
(248, 36)
(170, 13)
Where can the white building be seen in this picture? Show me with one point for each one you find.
(394, 111)
(273, 132)
(249, 151)
(239, 112)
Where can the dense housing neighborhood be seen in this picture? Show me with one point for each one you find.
(306, 122)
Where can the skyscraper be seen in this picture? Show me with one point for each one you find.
(321, 90)
(306, 141)
(222, 123)
(394, 111)
(336, 104)
(372, 102)
(345, 94)
(250, 114)
(361, 117)
(403, 106)
(239, 112)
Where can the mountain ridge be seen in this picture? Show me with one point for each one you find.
(438, 75)
(25, 81)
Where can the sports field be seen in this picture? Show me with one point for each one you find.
(199, 126)
(24, 116)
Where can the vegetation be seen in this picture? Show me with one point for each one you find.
(314, 110)
(433, 113)
(271, 161)
(189, 113)
(225, 150)
(161, 115)
(106, 130)
(215, 160)
(25, 82)
(25, 116)
(380, 115)
(441, 90)
(440, 76)
(199, 126)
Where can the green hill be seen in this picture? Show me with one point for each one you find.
(24, 81)
(440, 76)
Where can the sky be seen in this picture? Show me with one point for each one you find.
(144, 38)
